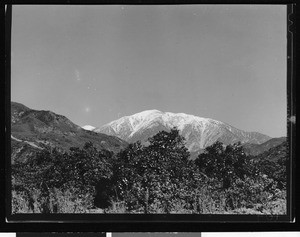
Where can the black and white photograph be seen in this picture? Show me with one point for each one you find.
(149, 109)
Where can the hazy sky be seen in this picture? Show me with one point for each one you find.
(95, 64)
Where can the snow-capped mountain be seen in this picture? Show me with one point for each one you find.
(88, 127)
(199, 132)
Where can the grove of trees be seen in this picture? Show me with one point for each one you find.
(155, 178)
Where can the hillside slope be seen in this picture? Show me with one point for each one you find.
(256, 149)
(33, 130)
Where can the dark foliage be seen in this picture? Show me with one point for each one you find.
(153, 178)
(274, 163)
(79, 170)
(225, 163)
(246, 181)
(147, 175)
(104, 193)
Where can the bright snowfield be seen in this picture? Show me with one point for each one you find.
(88, 127)
(199, 132)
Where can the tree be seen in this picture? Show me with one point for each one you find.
(79, 171)
(87, 166)
(224, 162)
(149, 175)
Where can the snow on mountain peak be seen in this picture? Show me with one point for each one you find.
(88, 127)
(199, 132)
(146, 113)
(148, 118)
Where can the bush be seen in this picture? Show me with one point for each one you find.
(57, 201)
(60, 182)
(226, 163)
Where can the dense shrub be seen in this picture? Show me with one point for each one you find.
(57, 201)
(153, 174)
(226, 163)
(244, 183)
(76, 174)
(154, 178)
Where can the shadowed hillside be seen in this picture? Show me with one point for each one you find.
(256, 149)
(33, 130)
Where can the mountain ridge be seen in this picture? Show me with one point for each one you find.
(32, 130)
(257, 149)
(199, 132)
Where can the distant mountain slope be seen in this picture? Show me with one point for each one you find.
(198, 132)
(34, 129)
(256, 149)
(275, 153)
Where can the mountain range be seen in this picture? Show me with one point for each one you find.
(34, 130)
(198, 132)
